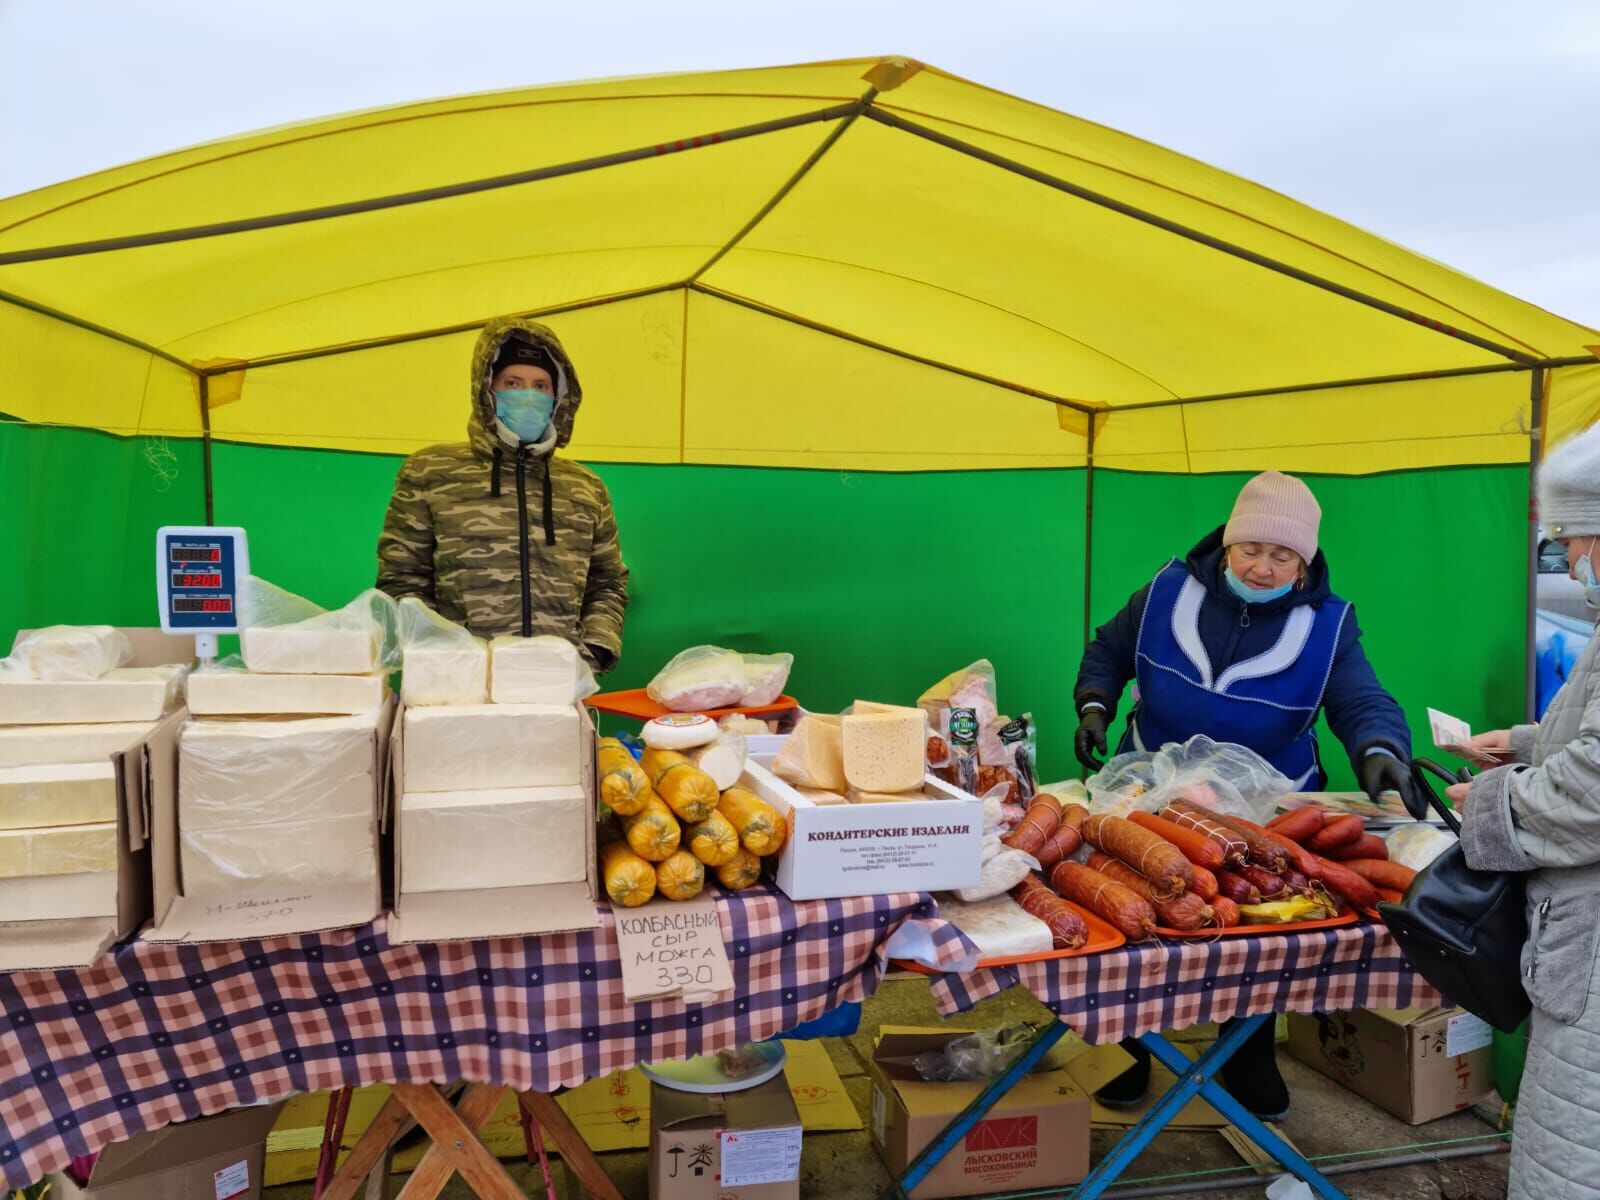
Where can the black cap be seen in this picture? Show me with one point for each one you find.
(516, 350)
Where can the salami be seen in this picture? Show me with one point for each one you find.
(1123, 908)
(1197, 847)
(1340, 831)
(1187, 912)
(1202, 883)
(1236, 887)
(1234, 849)
(1157, 859)
(1040, 821)
(1268, 883)
(1346, 884)
(1068, 930)
(1226, 911)
(1382, 872)
(1299, 824)
(1263, 850)
(1368, 845)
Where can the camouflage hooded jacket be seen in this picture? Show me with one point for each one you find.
(504, 539)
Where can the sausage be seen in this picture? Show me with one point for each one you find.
(1064, 842)
(1226, 912)
(1264, 851)
(1196, 846)
(1268, 883)
(1234, 849)
(1157, 859)
(1186, 912)
(1296, 882)
(1068, 930)
(1040, 821)
(1340, 831)
(1345, 883)
(1202, 882)
(1368, 845)
(1299, 824)
(1382, 872)
(1300, 859)
(1236, 888)
(1123, 908)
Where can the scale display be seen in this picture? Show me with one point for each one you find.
(199, 570)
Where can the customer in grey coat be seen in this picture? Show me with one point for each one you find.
(1541, 815)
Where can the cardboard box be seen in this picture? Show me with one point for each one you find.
(1418, 1063)
(726, 1145)
(39, 939)
(839, 850)
(1036, 1136)
(272, 912)
(213, 1158)
(473, 913)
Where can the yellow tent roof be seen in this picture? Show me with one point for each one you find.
(864, 264)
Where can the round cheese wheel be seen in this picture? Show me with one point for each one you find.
(680, 731)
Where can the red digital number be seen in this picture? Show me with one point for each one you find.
(217, 606)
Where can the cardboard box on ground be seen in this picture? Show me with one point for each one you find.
(725, 1146)
(213, 1158)
(612, 1113)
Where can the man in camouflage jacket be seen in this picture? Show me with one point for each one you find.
(502, 536)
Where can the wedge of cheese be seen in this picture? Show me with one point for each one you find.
(475, 747)
(37, 745)
(536, 670)
(445, 673)
(855, 796)
(59, 897)
(813, 755)
(309, 650)
(58, 850)
(508, 837)
(63, 794)
(126, 694)
(241, 694)
(884, 752)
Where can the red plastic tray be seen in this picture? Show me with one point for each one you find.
(1348, 918)
(1388, 894)
(1102, 936)
(636, 703)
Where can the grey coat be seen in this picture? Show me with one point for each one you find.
(1542, 816)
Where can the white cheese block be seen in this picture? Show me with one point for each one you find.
(813, 756)
(239, 693)
(309, 650)
(867, 708)
(63, 652)
(477, 746)
(723, 760)
(35, 745)
(126, 694)
(536, 670)
(445, 673)
(884, 752)
(509, 837)
(63, 794)
(238, 776)
(59, 897)
(326, 851)
(59, 850)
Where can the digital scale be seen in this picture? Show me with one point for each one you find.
(200, 570)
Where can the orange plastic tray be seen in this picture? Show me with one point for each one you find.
(1348, 918)
(636, 703)
(1102, 936)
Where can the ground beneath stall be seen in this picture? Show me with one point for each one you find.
(1325, 1118)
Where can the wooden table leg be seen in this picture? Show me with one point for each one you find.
(458, 1144)
(474, 1109)
(370, 1149)
(575, 1152)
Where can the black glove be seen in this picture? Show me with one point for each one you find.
(1381, 773)
(1091, 737)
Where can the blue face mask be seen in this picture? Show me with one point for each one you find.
(1252, 595)
(524, 412)
(1583, 572)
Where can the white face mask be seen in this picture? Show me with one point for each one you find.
(1583, 572)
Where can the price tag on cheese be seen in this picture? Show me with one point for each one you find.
(672, 948)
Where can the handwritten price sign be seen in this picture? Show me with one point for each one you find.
(670, 948)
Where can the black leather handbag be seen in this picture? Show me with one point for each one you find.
(1463, 929)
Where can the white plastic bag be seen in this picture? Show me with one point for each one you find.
(441, 662)
(1000, 874)
(372, 618)
(1417, 845)
(1219, 775)
(706, 677)
(60, 653)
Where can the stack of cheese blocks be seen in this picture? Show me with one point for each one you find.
(492, 795)
(871, 755)
(58, 791)
(278, 778)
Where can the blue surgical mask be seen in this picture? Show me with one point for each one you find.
(1583, 572)
(524, 412)
(1252, 595)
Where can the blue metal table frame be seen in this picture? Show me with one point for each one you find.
(1198, 1078)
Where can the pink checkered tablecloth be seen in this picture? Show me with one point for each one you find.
(1160, 985)
(156, 1033)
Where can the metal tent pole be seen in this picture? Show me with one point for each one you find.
(1535, 452)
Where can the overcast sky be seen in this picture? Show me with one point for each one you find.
(1469, 131)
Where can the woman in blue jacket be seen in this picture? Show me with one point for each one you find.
(1244, 641)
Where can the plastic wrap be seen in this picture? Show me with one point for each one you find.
(723, 759)
(1000, 874)
(970, 687)
(998, 927)
(57, 794)
(538, 670)
(58, 850)
(1417, 845)
(441, 663)
(60, 653)
(126, 694)
(464, 747)
(813, 755)
(707, 677)
(1217, 775)
(680, 731)
(739, 723)
(264, 803)
(226, 689)
(285, 634)
(975, 1056)
(512, 837)
(40, 745)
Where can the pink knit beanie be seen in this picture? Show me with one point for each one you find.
(1276, 509)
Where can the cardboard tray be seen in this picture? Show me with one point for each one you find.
(1102, 936)
(636, 703)
(1191, 935)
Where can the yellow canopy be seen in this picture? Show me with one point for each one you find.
(866, 264)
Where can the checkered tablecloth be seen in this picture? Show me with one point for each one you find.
(158, 1033)
(1170, 985)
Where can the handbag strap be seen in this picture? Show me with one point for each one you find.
(1421, 768)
